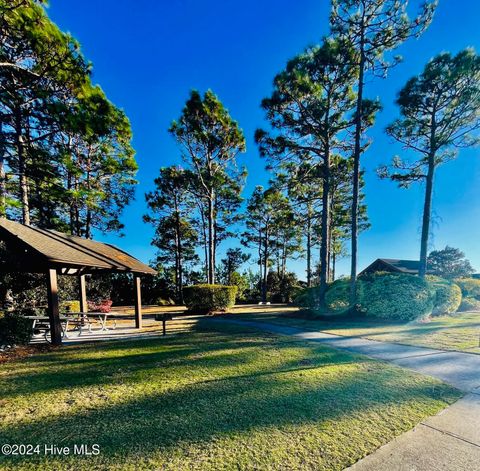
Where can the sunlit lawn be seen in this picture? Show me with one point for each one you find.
(460, 331)
(209, 399)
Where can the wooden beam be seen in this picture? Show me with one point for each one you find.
(53, 308)
(82, 293)
(138, 302)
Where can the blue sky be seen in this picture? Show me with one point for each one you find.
(147, 56)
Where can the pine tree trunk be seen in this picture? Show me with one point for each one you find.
(23, 181)
(3, 192)
(427, 212)
(3, 176)
(265, 268)
(325, 231)
(211, 240)
(260, 264)
(334, 262)
(179, 259)
(88, 218)
(309, 249)
(71, 206)
(205, 240)
(356, 174)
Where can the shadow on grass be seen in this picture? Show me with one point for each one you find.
(348, 322)
(203, 411)
(98, 364)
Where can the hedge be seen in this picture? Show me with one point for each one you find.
(308, 298)
(15, 329)
(470, 304)
(470, 287)
(204, 299)
(337, 297)
(448, 296)
(397, 296)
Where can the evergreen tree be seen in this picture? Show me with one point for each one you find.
(267, 210)
(65, 155)
(309, 111)
(440, 113)
(41, 68)
(170, 206)
(449, 263)
(210, 141)
(372, 27)
(234, 259)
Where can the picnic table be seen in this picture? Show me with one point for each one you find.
(78, 320)
(42, 324)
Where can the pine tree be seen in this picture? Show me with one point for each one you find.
(170, 205)
(310, 111)
(210, 141)
(440, 113)
(372, 27)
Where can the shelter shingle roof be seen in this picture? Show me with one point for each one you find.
(59, 249)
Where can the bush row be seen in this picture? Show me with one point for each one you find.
(398, 296)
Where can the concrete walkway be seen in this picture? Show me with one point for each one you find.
(449, 441)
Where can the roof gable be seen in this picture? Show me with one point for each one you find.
(394, 265)
(59, 249)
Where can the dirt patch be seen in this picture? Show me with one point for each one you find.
(17, 353)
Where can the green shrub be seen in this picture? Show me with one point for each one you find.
(337, 296)
(241, 282)
(448, 296)
(15, 329)
(470, 287)
(396, 296)
(470, 304)
(308, 298)
(69, 306)
(204, 299)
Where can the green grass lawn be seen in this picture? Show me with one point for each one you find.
(460, 331)
(214, 397)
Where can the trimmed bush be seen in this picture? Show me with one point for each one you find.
(203, 299)
(470, 304)
(470, 287)
(69, 306)
(448, 296)
(308, 298)
(15, 329)
(337, 297)
(397, 296)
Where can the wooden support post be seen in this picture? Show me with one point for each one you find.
(53, 308)
(82, 293)
(138, 302)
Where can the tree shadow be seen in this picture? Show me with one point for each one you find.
(225, 393)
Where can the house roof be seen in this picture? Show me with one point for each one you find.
(44, 248)
(395, 265)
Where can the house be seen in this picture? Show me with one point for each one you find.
(393, 265)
